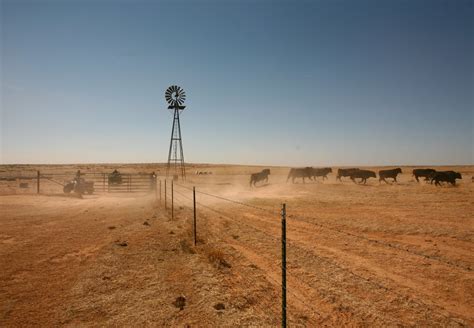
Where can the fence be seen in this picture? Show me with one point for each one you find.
(192, 199)
(44, 182)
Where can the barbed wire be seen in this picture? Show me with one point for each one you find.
(279, 266)
(313, 312)
(369, 281)
(183, 195)
(381, 286)
(391, 245)
(380, 242)
(231, 200)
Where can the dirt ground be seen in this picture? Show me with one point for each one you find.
(390, 255)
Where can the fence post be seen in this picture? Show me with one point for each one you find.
(283, 265)
(38, 182)
(194, 211)
(129, 183)
(103, 183)
(165, 194)
(160, 192)
(172, 200)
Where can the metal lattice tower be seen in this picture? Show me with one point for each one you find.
(175, 96)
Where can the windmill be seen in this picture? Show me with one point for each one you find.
(175, 97)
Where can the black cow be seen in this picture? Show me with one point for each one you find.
(392, 174)
(345, 173)
(426, 173)
(256, 177)
(363, 175)
(306, 172)
(445, 176)
(321, 172)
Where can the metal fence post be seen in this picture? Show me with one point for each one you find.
(165, 194)
(38, 182)
(160, 192)
(194, 211)
(172, 200)
(103, 183)
(283, 265)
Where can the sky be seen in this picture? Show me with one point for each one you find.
(267, 82)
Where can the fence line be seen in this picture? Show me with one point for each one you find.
(130, 182)
(280, 267)
(233, 201)
(368, 280)
(374, 283)
(312, 219)
(380, 242)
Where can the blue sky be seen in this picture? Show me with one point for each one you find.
(267, 82)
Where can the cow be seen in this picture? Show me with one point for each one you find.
(321, 172)
(305, 172)
(445, 176)
(363, 175)
(392, 174)
(260, 176)
(344, 173)
(426, 173)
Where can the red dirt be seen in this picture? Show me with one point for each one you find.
(376, 255)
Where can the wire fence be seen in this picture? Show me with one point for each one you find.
(96, 182)
(266, 228)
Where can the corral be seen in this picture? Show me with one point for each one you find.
(375, 254)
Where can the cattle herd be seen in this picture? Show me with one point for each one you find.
(360, 176)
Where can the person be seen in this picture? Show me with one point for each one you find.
(78, 178)
(153, 181)
(78, 174)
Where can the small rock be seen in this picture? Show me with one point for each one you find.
(146, 223)
(219, 306)
(121, 243)
(180, 302)
(171, 232)
(111, 227)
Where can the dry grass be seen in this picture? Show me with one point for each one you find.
(60, 264)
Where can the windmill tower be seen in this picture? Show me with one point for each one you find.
(175, 97)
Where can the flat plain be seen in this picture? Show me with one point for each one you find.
(398, 254)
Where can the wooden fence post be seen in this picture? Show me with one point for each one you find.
(165, 194)
(172, 200)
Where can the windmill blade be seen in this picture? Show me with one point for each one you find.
(175, 96)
